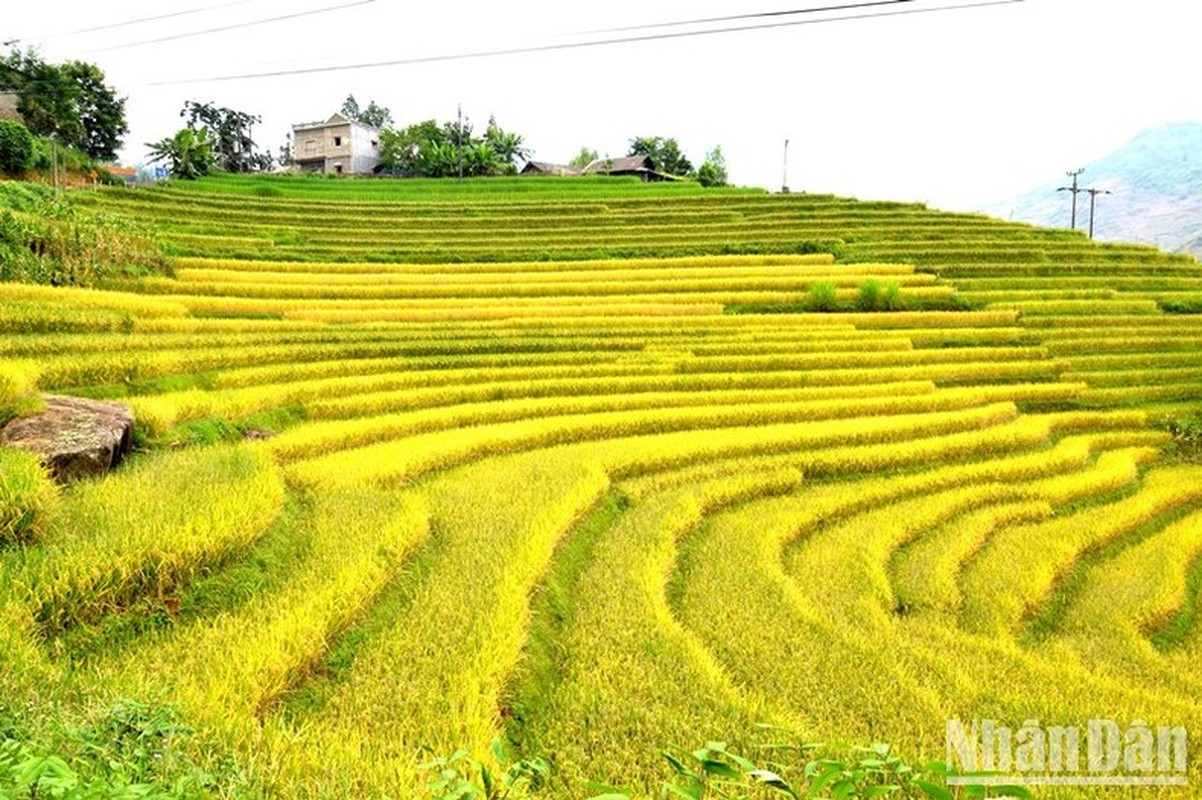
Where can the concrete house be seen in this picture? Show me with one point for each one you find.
(8, 107)
(338, 145)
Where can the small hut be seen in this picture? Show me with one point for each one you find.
(546, 168)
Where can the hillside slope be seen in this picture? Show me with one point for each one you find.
(1156, 181)
(598, 468)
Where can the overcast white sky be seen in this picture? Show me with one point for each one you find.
(956, 108)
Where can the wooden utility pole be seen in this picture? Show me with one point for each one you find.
(459, 141)
(1075, 190)
(1093, 198)
(54, 162)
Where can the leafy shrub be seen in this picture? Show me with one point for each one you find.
(823, 297)
(16, 147)
(892, 300)
(870, 296)
(48, 154)
(1186, 431)
(133, 751)
(712, 171)
(107, 178)
(1182, 306)
(716, 771)
(460, 777)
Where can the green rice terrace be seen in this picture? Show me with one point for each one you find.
(593, 469)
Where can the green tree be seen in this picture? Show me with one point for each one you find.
(401, 149)
(712, 171)
(232, 132)
(510, 148)
(376, 116)
(432, 150)
(70, 102)
(665, 154)
(285, 157)
(190, 152)
(16, 147)
(100, 112)
(583, 158)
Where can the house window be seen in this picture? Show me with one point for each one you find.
(338, 141)
(338, 169)
(310, 145)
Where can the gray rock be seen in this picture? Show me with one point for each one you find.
(76, 437)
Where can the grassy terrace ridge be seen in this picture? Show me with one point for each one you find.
(595, 467)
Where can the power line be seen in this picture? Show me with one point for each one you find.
(125, 24)
(546, 48)
(235, 26)
(736, 17)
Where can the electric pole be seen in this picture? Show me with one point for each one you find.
(459, 141)
(1093, 197)
(784, 177)
(1075, 190)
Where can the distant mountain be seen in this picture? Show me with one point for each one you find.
(1156, 181)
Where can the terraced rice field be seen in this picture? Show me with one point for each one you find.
(532, 479)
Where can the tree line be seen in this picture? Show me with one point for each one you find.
(436, 150)
(70, 105)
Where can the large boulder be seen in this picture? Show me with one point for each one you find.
(76, 437)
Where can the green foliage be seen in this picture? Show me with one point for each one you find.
(1186, 430)
(427, 149)
(69, 102)
(823, 297)
(583, 158)
(376, 116)
(870, 296)
(892, 300)
(190, 153)
(460, 777)
(16, 147)
(46, 239)
(509, 147)
(712, 171)
(1191, 305)
(874, 297)
(133, 751)
(716, 771)
(51, 155)
(100, 113)
(665, 154)
(232, 132)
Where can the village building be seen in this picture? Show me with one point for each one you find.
(8, 107)
(641, 166)
(339, 146)
(545, 168)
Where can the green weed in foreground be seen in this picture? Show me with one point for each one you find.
(716, 771)
(26, 495)
(132, 751)
(459, 776)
